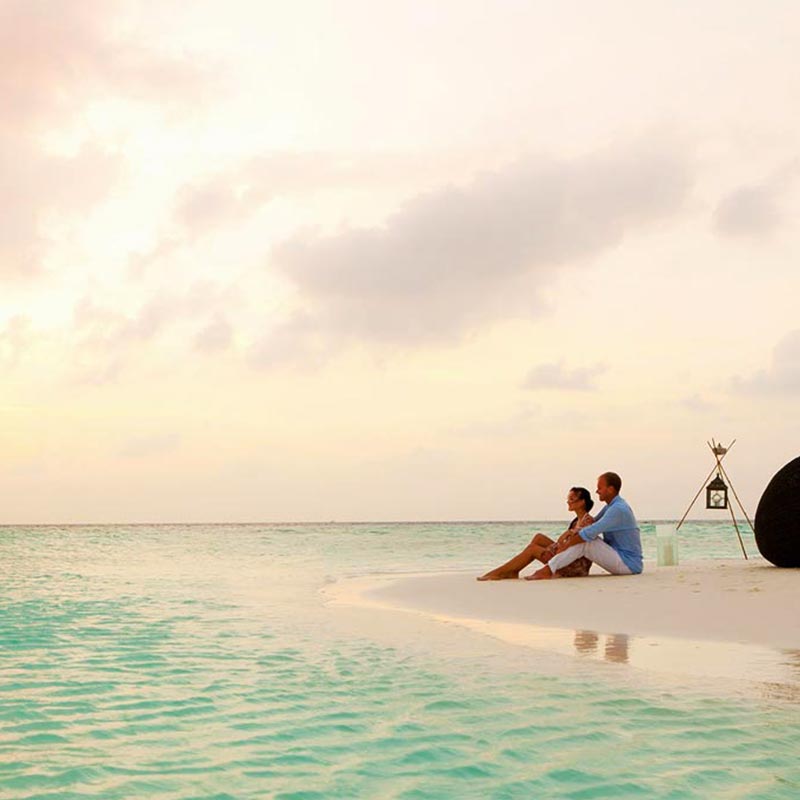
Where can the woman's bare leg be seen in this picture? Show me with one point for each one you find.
(512, 567)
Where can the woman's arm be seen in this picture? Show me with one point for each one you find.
(564, 536)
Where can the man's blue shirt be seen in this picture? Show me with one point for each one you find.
(620, 530)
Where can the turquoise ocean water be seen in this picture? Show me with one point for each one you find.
(203, 662)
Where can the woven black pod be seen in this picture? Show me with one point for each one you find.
(778, 518)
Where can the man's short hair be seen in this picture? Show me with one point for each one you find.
(613, 480)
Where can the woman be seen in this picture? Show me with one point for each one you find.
(579, 502)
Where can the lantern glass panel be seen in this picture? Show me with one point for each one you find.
(717, 494)
(717, 500)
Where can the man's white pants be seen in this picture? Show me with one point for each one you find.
(604, 555)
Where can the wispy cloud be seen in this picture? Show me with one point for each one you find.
(520, 421)
(106, 338)
(698, 404)
(56, 58)
(214, 337)
(782, 376)
(754, 210)
(149, 445)
(34, 186)
(557, 376)
(747, 211)
(297, 342)
(230, 196)
(15, 338)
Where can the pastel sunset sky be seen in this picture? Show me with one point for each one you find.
(393, 260)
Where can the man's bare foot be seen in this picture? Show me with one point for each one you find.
(543, 574)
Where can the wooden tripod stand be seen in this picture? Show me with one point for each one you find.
(719, 452)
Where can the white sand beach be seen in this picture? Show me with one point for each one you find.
(732, 619)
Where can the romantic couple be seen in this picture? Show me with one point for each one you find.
(618, 552)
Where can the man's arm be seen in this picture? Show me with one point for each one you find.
(569, 531)
(611, 517)
(570, 541)
(572, 537)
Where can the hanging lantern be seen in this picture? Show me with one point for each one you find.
(717, 491)
(717, 494)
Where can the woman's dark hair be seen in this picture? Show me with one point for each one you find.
(583, 494)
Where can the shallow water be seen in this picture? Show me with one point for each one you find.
(202, 661)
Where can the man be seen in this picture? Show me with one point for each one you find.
(618, 552)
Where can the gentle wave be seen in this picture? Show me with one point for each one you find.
(200, 663)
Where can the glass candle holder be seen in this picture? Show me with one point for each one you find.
(667, 545)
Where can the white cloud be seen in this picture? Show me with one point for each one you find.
(460, 257)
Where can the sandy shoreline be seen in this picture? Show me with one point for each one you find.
(733, 601)
(728, 618)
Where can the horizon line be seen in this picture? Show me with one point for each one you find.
(646, 521)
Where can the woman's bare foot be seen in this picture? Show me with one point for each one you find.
(498, 576)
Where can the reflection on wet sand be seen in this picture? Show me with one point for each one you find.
(793, 659)
(617, 648)
(616, 645)
(586, 642)
(739, 668)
